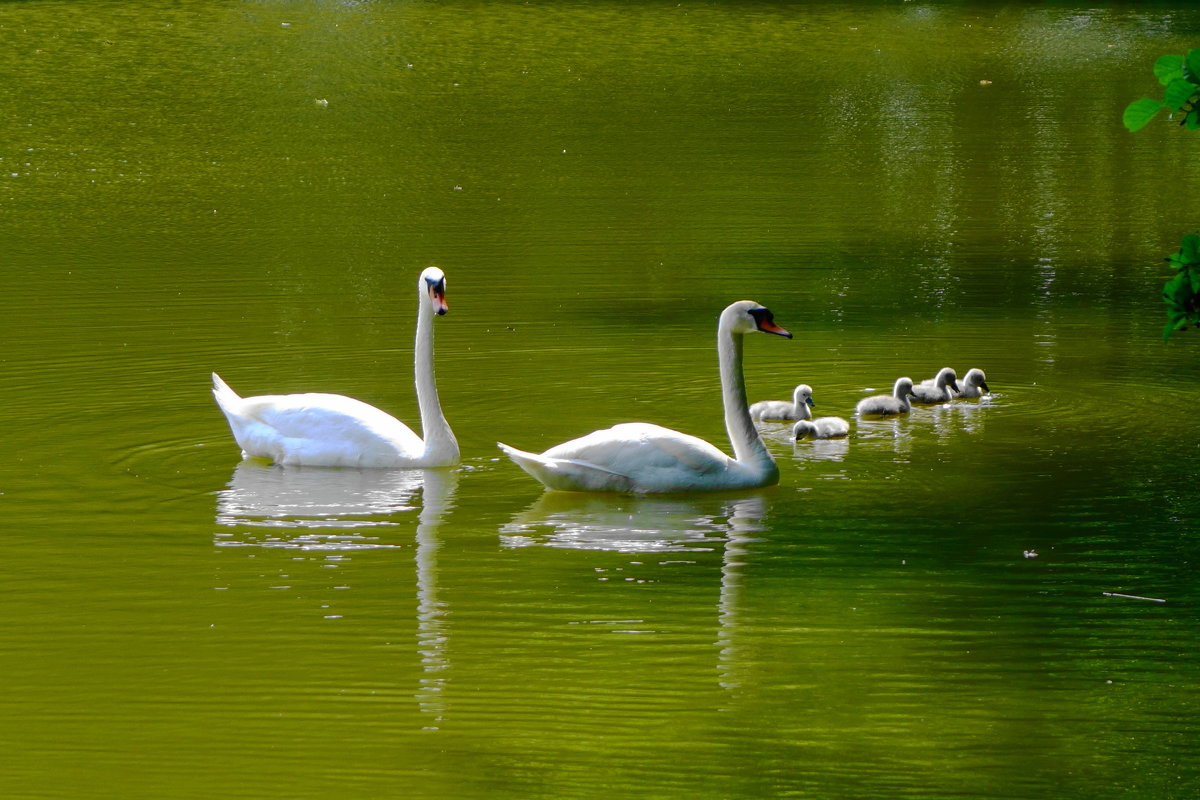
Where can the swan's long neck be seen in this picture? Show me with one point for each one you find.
(748, 447)
(440, 444)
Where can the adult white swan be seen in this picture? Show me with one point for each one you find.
(330, 430)
(643, 458)
(766, 410)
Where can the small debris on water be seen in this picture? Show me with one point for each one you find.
(1135, 597)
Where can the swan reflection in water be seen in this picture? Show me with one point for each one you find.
(313, 508)
(343, 509)
(650, 525)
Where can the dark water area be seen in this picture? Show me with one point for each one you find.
(953, 604)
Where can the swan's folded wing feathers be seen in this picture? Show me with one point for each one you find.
(330, 421)
(567, 474)
(633, 457)
(638, 448)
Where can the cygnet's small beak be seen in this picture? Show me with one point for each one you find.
(954, 386)
(983, 385)
(809, 400)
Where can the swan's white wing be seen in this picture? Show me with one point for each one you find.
(323, 430)
(635, 456)
(566, 474)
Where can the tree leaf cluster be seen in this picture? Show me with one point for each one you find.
(1182, 292)
(1180, 79)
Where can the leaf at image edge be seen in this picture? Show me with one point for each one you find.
(1191, 65)
(1189, 249)
(1178, 92)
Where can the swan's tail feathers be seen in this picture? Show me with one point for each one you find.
(568, 475)
(226, 398)
(230, 404)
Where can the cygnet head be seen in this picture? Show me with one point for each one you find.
(747, 316)
(803, 428)
(946, 377)
(432, 285)
(975, 377)
(803, 396)
(903, 388)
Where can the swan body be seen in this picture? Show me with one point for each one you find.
(781, 409)
(886, 404)
(821, 428)
(331, 430)
(941, 389)
(972, 383)
(642, 458)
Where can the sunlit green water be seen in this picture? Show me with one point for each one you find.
(919, 611)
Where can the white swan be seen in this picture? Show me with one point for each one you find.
(782, 409)
(821, 428)
(885, 404)
(642, 458)
(330, 430)
(972, 382)
(938, 389)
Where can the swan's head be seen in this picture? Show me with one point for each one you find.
(947, 377)
(433, 286)
(747, 316)
(803, 394)
(803, 428)
(975, 377)
(903, 388)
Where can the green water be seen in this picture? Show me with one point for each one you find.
(918, 611)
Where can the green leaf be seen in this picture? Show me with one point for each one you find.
(1189, 248)
(1177, 292)
(1174, 324)
(1178, 92)
(1176, 321)
(1191, 65)
(1168, 67)
(1139, 113)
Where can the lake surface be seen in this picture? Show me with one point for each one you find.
(925, 609)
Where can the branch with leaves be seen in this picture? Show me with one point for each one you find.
(1180, 79)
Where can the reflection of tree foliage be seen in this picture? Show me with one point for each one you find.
(1180, 78)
